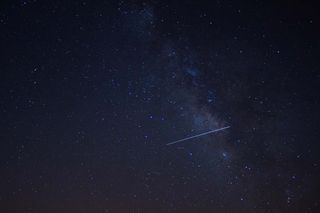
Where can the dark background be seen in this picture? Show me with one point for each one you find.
(92, 91)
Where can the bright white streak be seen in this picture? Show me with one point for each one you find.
(195, 136)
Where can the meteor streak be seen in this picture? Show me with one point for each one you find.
(199, 135)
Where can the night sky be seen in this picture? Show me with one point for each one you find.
(92, 91)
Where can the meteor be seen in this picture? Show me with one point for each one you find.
(199, 135)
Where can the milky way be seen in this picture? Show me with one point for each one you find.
(91, 93)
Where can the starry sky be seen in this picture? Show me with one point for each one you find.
(92, 91)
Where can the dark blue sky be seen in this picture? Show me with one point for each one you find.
(92, 91)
